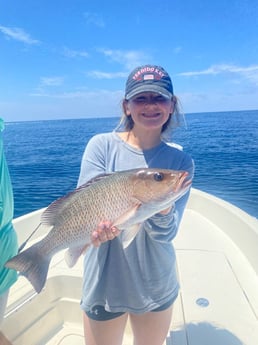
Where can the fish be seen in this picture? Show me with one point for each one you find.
(125, 198)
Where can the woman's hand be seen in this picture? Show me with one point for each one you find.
(167, 210)
(104, 232)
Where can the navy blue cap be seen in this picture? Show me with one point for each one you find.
(148, 78)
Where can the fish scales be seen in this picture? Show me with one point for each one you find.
(93, 207)
(71, 226)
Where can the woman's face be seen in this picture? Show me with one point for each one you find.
(149, 110)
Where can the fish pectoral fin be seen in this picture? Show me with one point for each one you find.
(128, 231)
(125, 217)
(72, 254)
(129, 234)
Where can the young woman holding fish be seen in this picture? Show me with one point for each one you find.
(138, 281)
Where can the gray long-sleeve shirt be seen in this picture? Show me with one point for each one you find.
(141, 277)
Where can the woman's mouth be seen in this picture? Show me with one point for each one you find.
(151, 115)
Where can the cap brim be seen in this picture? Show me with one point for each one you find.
(149, 88)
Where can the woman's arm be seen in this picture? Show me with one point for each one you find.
(93, 160)
(164, 227)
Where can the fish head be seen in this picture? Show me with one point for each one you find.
(157, 185)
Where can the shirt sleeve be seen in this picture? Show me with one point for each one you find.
(6, 192)
(93, 160)
(164, 228)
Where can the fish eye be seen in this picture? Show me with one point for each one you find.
(158, 176)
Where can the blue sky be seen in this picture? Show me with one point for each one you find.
(70, 59)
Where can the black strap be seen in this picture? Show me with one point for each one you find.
(25, 242)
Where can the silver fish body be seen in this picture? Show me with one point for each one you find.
(124, 198)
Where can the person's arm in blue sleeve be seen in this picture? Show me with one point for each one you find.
(164, 227)
(93, 161)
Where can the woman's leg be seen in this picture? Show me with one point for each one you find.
(104, 332)
(151, 328)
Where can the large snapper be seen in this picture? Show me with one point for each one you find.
(125, 198)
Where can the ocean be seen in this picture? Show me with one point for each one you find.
(44, 156)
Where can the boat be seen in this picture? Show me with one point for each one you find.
(217, 262)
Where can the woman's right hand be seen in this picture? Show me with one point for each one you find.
(104, 232)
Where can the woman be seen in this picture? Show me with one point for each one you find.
(140, 281)
(8, 239)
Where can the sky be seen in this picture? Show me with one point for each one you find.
(63, 59)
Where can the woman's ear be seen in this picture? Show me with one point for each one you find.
(126, 108)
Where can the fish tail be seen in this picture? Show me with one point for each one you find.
(32, 265)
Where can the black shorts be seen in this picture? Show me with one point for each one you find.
(99, 313)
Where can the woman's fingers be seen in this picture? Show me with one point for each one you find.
(104, 232)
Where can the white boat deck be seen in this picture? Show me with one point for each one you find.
(217, 266)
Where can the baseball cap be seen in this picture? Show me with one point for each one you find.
(148, 78)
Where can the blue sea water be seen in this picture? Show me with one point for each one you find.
(44, 156)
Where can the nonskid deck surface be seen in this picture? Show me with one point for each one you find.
(219, 287)
(69, 335)
(218, 300)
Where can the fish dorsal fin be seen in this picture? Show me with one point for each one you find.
(50, 215)
(93, 180)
